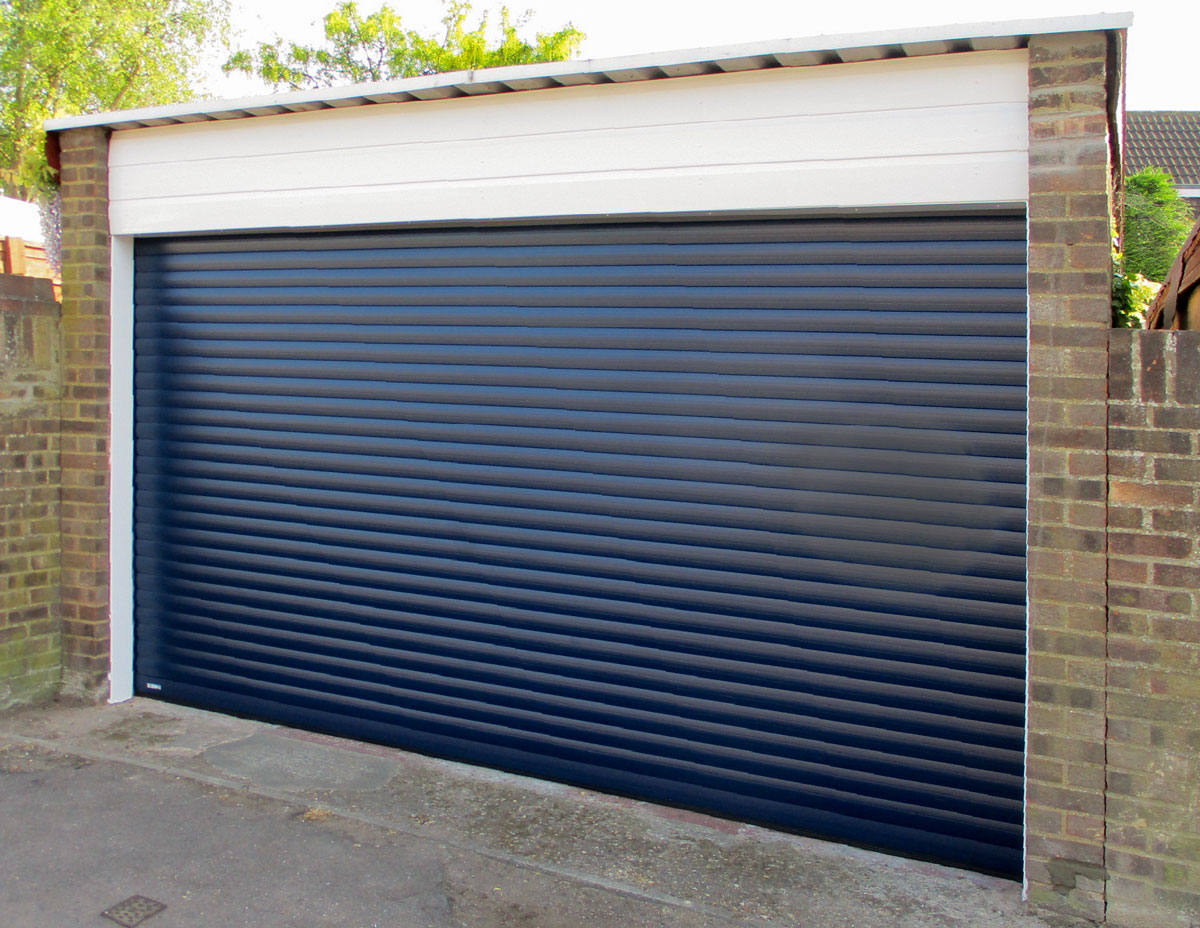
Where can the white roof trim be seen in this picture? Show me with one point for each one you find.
(799, 52)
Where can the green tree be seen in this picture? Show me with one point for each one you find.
(1132, 294)
(1157, 221)
(377, 47)
(65, 57)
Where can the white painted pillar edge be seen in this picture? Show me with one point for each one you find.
(120, 510)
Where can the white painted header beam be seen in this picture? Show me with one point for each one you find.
(944, 129)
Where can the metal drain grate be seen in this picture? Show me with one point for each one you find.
(133, 911)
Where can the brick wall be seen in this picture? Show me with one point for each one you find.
(1113, 760)
(1070, 319)
(85, 411)
(30, 381)
(54, 425)
(1153, 783)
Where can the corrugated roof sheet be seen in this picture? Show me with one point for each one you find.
(782, 53)
(1167, 139)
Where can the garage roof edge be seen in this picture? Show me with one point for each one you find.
(750, 56)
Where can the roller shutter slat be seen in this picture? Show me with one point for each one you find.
(949, 229)
(351, 416)
(321, 630)
(723, 504)
(510, 464)
(796, 253)
(417, 400)
(993, 577)
(334, 338)
(471, 622)
(669, 275)
(877, 684)
(898, 544)
(950, 299)
(596, 615)
(576, 449)
(383, 380)
(881, 321)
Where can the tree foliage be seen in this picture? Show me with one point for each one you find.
(1157, 221)
(1132, 294)
(377, 47)
(65, 57)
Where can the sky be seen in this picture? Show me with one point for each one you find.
(1162, 40)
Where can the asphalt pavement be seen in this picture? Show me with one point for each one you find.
(167, 817)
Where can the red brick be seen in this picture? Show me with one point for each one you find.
(1145, 441)
(1064, 180)
(1177, 575)
(1068, 800)
(1066, 539)
(1185, 470)
(1068, 47)
(1149, 545)
(1128, 415)
(1125, 571)
(1152, 495)
(1177, 629)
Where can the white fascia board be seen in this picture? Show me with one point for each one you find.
(653, 61)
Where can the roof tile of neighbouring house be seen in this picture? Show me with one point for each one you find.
(1167, 139)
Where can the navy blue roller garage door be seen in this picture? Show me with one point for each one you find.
(728, 514)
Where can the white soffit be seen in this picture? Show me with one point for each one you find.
(800, 52)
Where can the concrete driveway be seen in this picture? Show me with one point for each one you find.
(228, 822)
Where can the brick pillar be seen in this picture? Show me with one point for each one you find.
(1153, 807)
(85, 411)
(30, 661)
(1070, 316)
